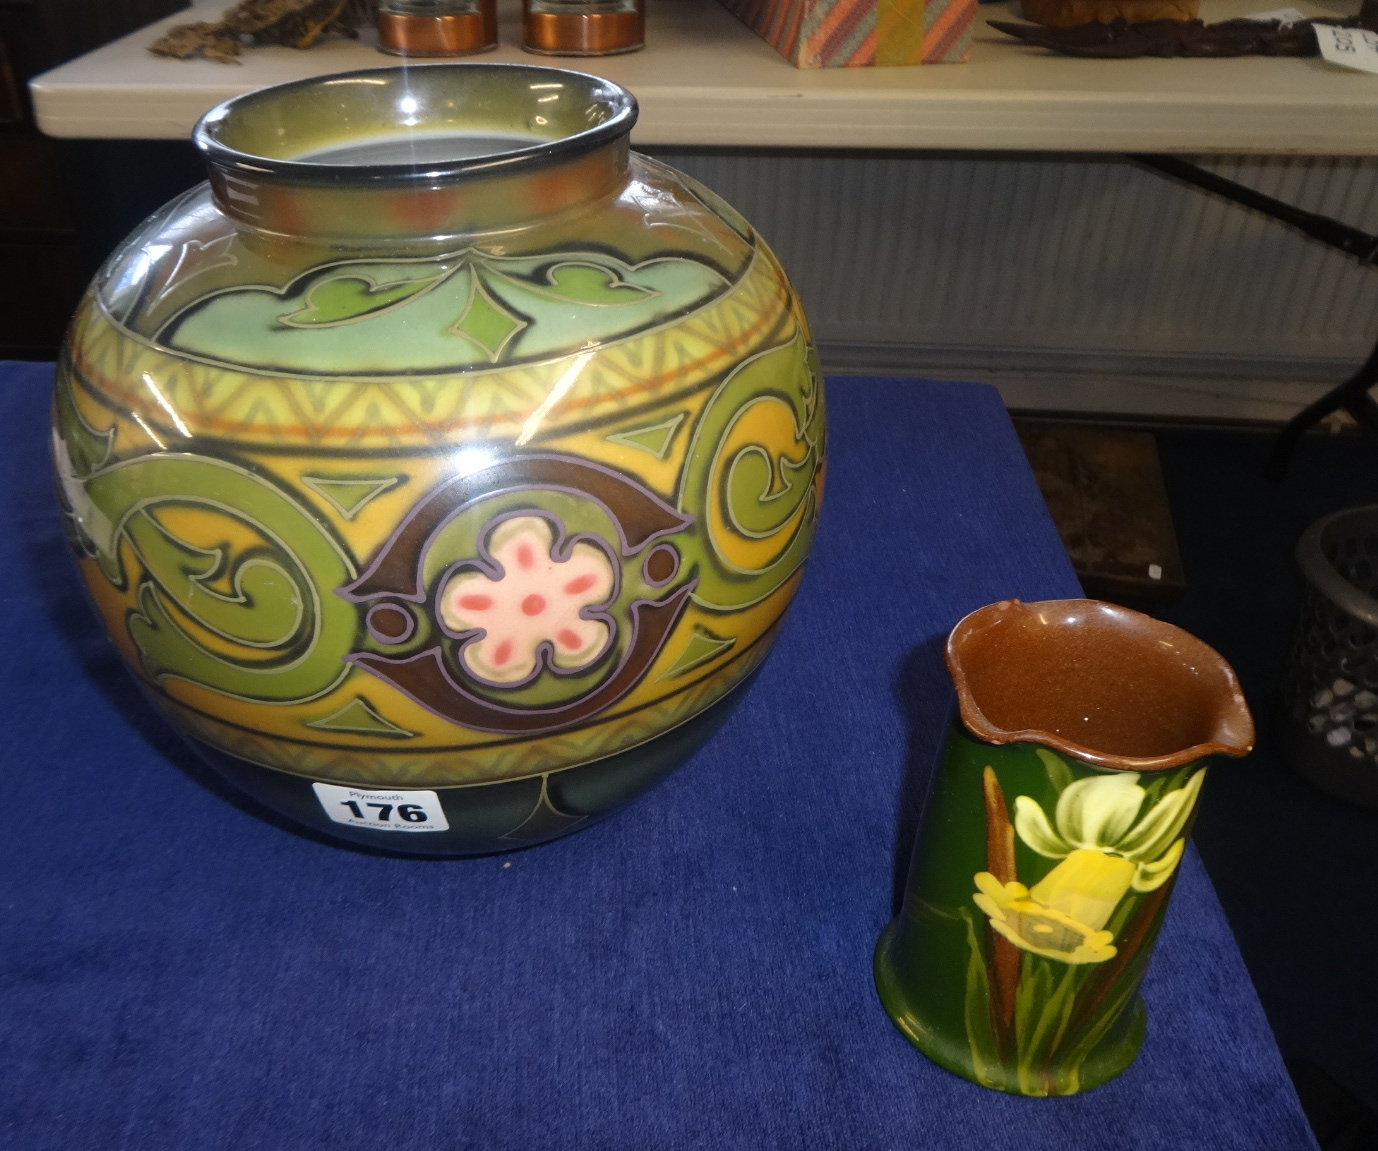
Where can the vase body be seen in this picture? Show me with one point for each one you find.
(441, 464)
(1050, 840)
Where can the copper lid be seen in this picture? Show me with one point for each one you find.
(454, 34)
(550, 32)
(1100, 683)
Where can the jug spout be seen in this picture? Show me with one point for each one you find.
(1100, 683)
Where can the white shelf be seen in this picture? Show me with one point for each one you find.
(708, 80)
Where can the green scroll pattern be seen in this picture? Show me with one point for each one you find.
(284, 635)
(261, 622)
(766, 491)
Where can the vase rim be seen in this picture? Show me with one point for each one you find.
(1151, 695)
(619, 104)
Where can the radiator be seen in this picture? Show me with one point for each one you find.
(1073, 283)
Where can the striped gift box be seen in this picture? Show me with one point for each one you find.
(862, 33)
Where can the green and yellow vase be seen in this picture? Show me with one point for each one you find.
(442, 466)
(1051, 838)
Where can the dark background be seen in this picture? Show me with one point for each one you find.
(64, 204)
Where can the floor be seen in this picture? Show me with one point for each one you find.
(1296, 871)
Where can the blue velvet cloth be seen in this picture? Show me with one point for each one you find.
(179, 971)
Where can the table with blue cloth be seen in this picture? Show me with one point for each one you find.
(181, 970)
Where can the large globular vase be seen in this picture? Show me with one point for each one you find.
(441, 466)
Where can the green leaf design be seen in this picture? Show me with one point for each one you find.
(1043, 1008)
(1158, 783)
(590, 284)
(359, 717)
(976, 1009)
(703, 646)
(1059, 774)
(486, 322)
(344, 299)
(654, 439)
(1108, 1017)
(349, 495)
(468, 307)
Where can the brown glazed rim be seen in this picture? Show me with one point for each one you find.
(1234, 735)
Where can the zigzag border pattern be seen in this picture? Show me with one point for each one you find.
(212, 403)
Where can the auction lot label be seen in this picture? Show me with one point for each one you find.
(382, 810)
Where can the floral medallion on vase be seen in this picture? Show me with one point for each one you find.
(479, 518)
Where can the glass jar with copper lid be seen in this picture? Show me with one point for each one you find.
(437, 27)
(584, 27)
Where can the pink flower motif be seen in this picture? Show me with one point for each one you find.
(536, 600)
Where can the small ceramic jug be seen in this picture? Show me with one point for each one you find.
(1051, 838)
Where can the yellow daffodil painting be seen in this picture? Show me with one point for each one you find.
(1107, 845)
(1044, 881)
